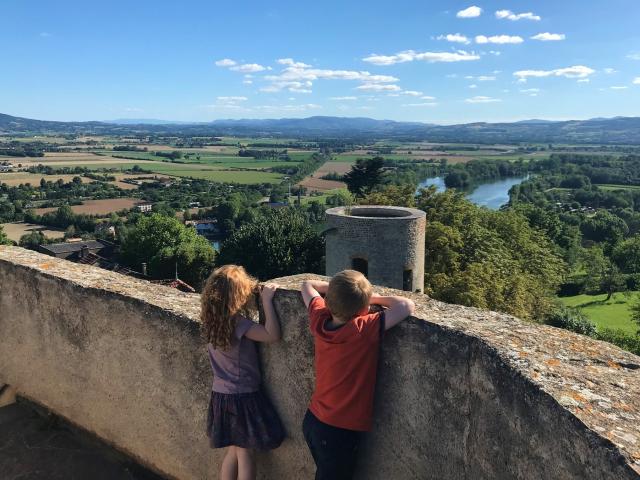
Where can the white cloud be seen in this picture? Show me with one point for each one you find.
(634, 56)
(299, 77)
(376, 87)
(289, 108)
(486, 78)
(495, 52)
(584, 80)
(410, 56)
(231, 99)
(343, 98)
(45, 34)
(577, 71)
(610, 71)
(248, 68)
(455, 38)
(427, 97)
(425, 104)
(473, 85)
(247, 82)
(412, 93)
(530, 90)
(470, 12)
(499, 39)
(291, 63)
(509, 15)
(225, 62)
(636, 81)
(619, 87)
(549, 37)
(482, 99)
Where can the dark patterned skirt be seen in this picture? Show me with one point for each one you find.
(246, 420)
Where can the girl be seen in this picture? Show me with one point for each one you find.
(240, 416)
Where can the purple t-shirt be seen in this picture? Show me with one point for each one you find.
(236, 370)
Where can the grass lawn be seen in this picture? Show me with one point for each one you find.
(618, 187)
(615, 313)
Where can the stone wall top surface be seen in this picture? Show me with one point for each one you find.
(595, 382)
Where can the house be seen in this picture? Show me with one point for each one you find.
(6, 168)
(99, 253)
(75, 250)
(106, 228)
(206, 228)
(144, 207)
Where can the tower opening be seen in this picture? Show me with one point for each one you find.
(361, 265)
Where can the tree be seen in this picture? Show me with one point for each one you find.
(4, 240)
(364, 175)
(400, 196)
(604, 227)
(32, 240)
(340, 198)
(635, 313)
(70, 232)
(279, 242)
(487, 259)
(7, 211)
(161, 242)
(602, 274)
(627, 255)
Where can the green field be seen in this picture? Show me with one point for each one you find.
(615, 313)
(204, 172)
(609, 187)
(322, 199)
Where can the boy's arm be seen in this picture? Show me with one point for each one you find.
(311, 289)
(398, 308)
(270, 331)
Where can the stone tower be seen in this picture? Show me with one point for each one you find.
(384, 243)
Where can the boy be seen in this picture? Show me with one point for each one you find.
(347, 340)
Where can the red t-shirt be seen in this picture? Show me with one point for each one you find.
(346, 361)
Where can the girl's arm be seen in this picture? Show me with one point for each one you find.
(270, 331)
(398, 308)
(311, 289)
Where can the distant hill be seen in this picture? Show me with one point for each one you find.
(618, 130)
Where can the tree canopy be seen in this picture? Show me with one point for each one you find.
(277, 243)
(161, 242)
(4, 240)
(364, 175)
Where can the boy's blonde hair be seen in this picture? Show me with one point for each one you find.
(348, 294)
(229, 291)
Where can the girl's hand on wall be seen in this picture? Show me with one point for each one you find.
(268, 291)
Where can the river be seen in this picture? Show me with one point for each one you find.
(490, 194)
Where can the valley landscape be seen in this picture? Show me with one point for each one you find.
(177, 180)
(100, 172)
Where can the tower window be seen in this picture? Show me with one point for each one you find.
(407, 280)
(360, 265)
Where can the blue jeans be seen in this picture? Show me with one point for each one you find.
(334, 450)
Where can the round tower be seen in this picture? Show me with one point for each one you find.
(384, 243)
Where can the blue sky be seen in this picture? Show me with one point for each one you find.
(431, 61)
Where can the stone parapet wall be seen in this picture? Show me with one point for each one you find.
(462, 393)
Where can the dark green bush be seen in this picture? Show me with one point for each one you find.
(571, 319)
(620, 338)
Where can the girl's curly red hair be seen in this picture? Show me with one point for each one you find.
(228, 291)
